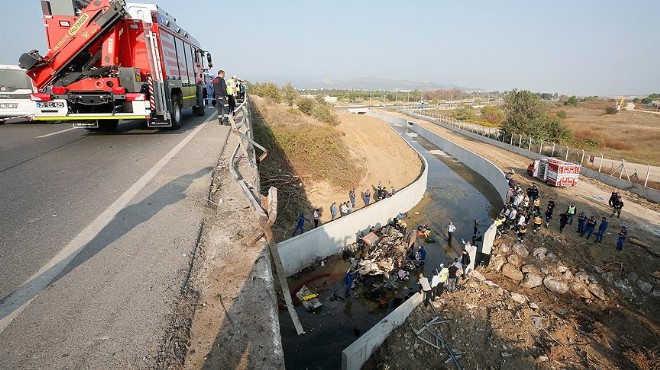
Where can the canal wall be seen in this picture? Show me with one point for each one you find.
(355, 355)
(329, 239)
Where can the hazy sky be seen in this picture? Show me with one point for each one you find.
(569, 46)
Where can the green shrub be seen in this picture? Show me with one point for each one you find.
(561, 114)
(266, 90)
(306, 105)
(611, 110)
(325, 113)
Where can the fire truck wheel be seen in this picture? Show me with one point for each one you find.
(199, 111)
(2, 122)
(109, 125)
(176, 112)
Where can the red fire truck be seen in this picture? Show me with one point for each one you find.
(110, 61)
(555, 171)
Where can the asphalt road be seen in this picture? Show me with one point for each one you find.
(96, 236)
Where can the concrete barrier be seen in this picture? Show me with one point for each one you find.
(355, 355)
(477, 163)
(329, 239)
(647, 193)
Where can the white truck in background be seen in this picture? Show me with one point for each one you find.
(15, 90)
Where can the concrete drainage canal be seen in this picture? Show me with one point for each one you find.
(454, 193)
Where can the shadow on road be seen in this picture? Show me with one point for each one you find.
(126, 220)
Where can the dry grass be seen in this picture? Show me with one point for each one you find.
(631, 135)
(314, 149)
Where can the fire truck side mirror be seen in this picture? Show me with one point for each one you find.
(209, 59)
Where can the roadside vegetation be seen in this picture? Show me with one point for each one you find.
(311, 105)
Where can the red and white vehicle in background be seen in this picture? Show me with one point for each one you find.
(555, 171)
(110, 61)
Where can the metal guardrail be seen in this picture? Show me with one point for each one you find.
(635, 173)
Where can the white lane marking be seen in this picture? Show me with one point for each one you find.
(411, 134)
(57, 132)
(21, 298)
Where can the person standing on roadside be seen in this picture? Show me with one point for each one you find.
(444, 273)
(231, 90)
(582, 219)
(570, 211)
(435, 280)
(422, 256)
(348, 281)
(333, 210)
(601, 230)
(300, 224)
(452, 276)
(589, 227)
(465, 259)
(220, 89)
(548, 215)
(426, 288)
(563, 220)
(351, 196)
(621, 238)
(367, 197)
(316, 218)
(616, 209)
(450, 231)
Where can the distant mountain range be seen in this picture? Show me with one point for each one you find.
(360, 83)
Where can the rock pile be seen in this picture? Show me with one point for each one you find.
(542, 269)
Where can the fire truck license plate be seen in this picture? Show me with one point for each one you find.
(50, 105)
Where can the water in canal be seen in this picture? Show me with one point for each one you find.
(454, 193)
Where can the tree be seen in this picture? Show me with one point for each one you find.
(521, 108)
(492, 114)
(464, 113)
(289, 93)
(573, 100)
(526, 114)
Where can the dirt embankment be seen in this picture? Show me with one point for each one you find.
(314, 164)
(573, 329)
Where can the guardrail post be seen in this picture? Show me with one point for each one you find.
(529, 147)
(582, 159)
(567, 149)
(520, 141)
(601, 162)
(553, 150)
(541, 147)
(511, 143)
(648, 172)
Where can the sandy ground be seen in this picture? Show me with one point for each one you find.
(376, 148)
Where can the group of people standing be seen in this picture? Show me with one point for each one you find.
(444, 277)
(524, 207)
(224, 94)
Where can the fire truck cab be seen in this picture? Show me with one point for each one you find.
(109, 60)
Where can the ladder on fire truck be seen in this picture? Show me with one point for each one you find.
(156, 84)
